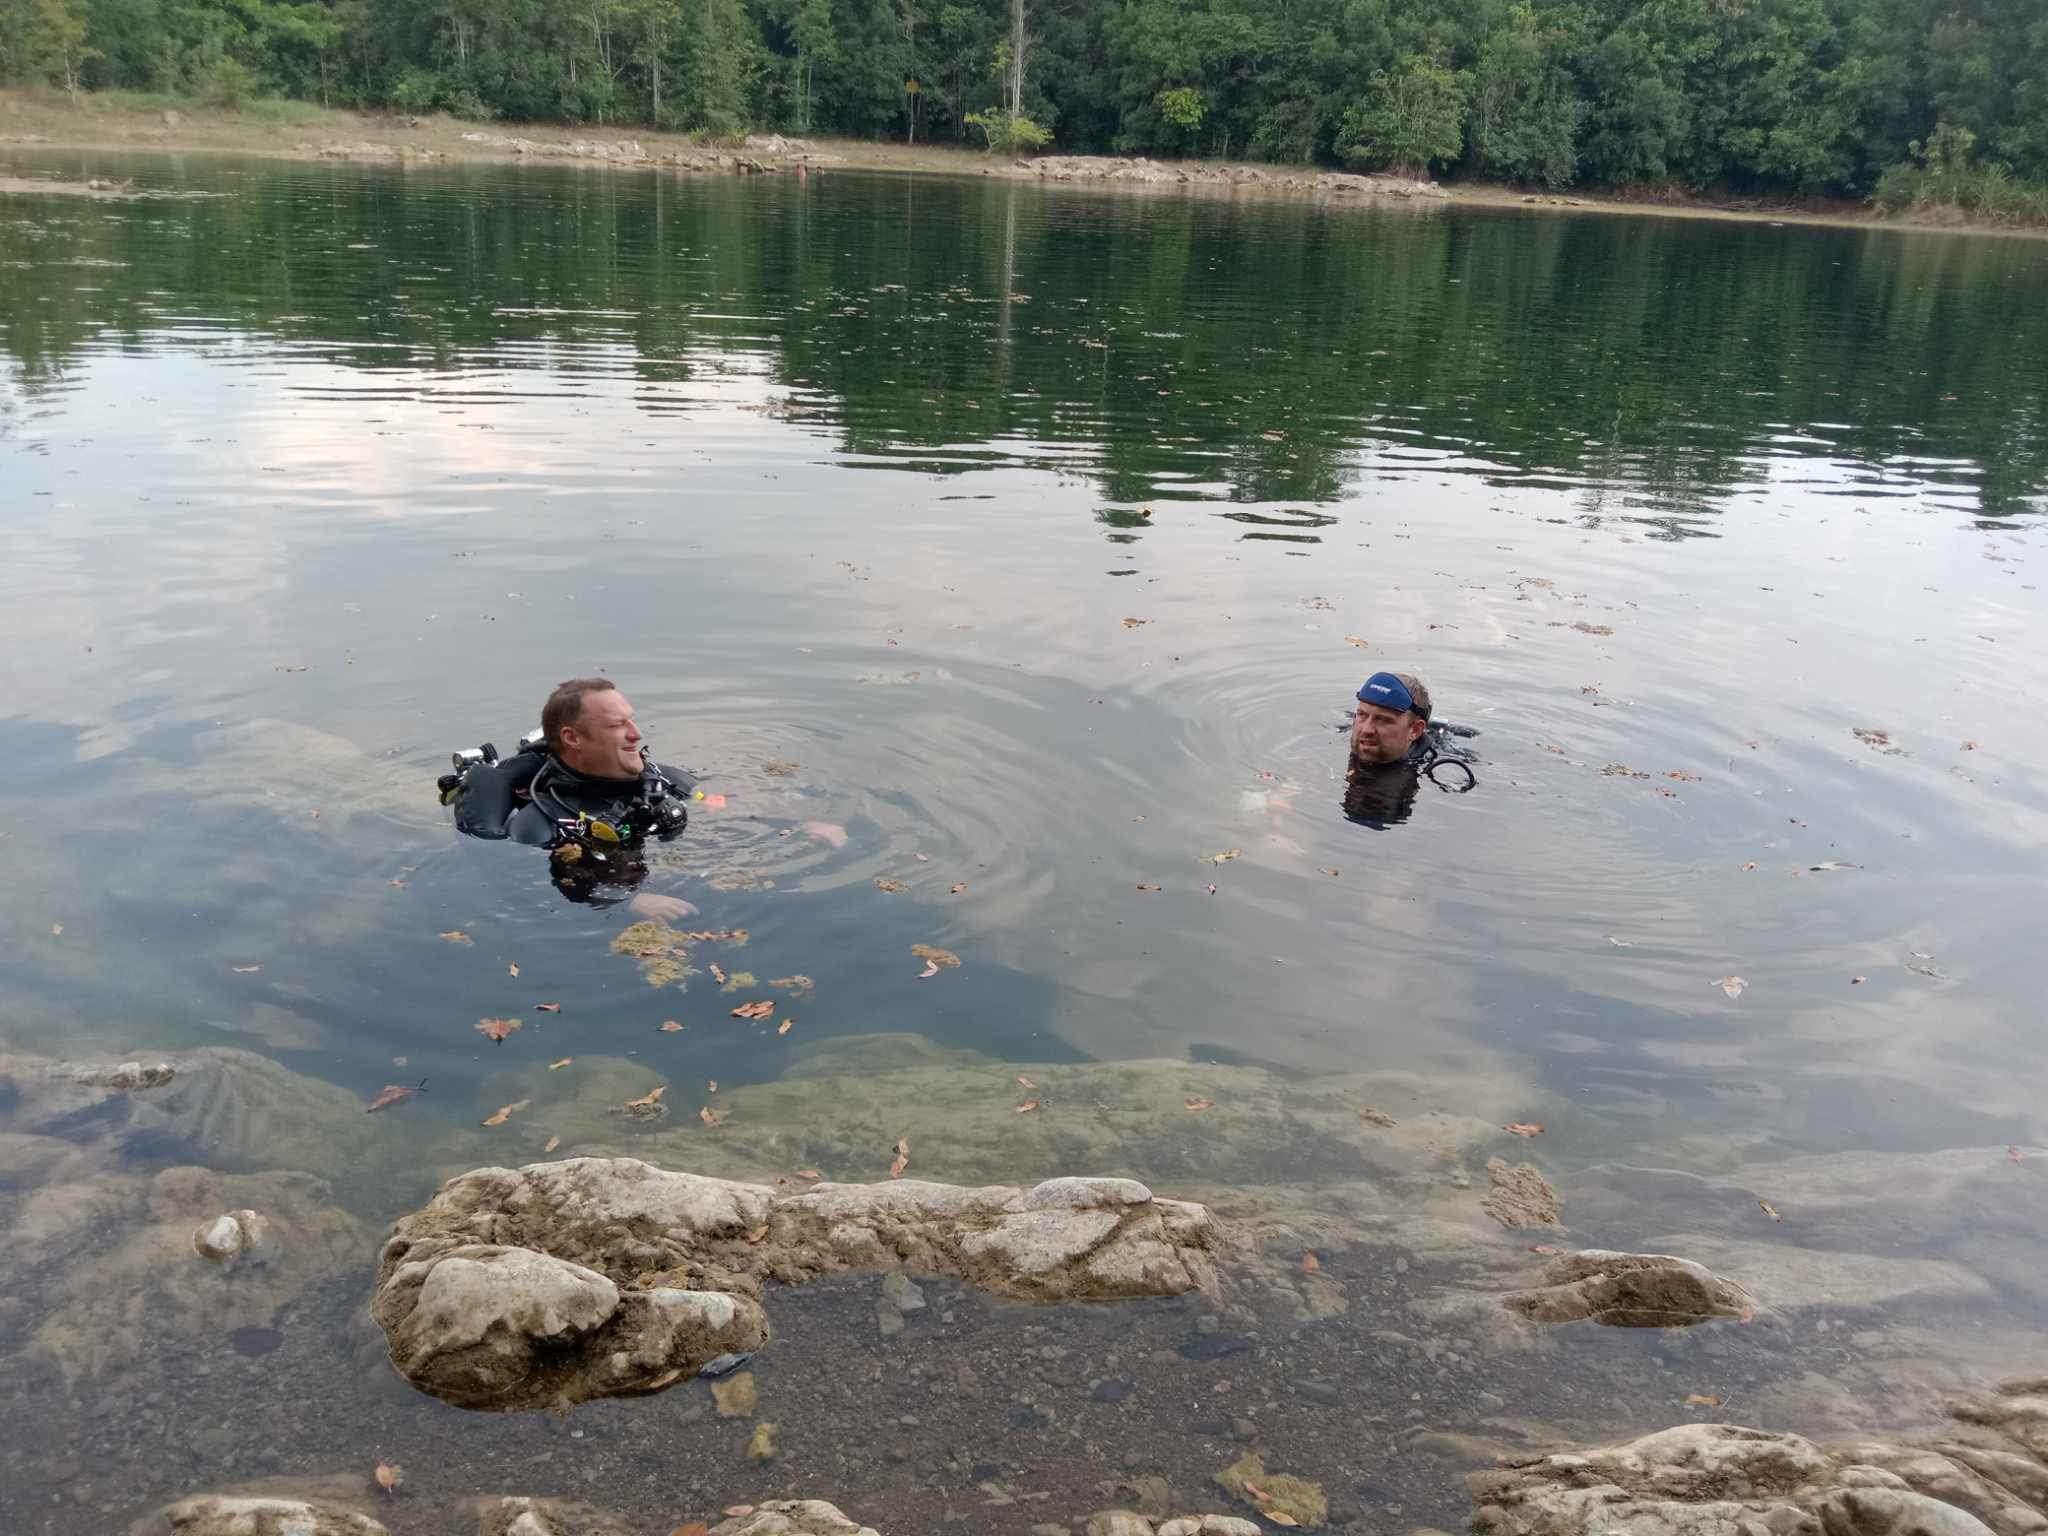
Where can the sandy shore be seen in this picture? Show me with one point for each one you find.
(300, 131)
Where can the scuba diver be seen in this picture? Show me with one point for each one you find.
(585, 787)
(1395, 746)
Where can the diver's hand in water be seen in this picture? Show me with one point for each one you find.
(647, 904)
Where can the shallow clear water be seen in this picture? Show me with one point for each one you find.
(314, 478)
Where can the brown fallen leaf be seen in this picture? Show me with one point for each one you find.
(1025, 1082)
(497, 1029)
(691, 1528)
(1281, 1517)
(1770, 1210)
(931, 968)
(1257, 1492)
(245, 970)
(1148, 887)
(1134, 623)
(710, 1116)
(1373, 1116)
(783, 1027)
(455, 936)
(1200, 1104)
(1222, 858)
(1330, 872)
(556, 1066)
(718, 973)
(759, 1010)
(553, 1142)
(1746, 1315)
(1549, 1250)
(389, 1475)
(759, 1234)
(958, 887)
(809, 1173)
(1519, 1129)
(1357, 640)
(1734, 986)
(390, 1094)
(512, 969)
(891, 887)
(931, 954)
(1210, 889)
(1751, 864)
(1701, 1400)
(670, 1026)
(507, 1111)
(902, 1158)
(1027, 1106)
(547, 1007)
(1310, 1264)
(648, 1099)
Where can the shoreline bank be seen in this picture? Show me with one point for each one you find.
(298, 131)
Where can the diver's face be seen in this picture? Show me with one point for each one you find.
(1382, 735)
(604, 741)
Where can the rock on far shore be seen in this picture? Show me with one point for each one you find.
(559, 1282)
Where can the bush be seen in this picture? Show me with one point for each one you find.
(225, 83)
(1413, 116)
(416, 90)
(1009, 135)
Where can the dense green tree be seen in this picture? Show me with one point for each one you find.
(1816, 96)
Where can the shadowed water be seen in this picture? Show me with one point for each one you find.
(1048, 534)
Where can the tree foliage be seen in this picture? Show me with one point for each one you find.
(1791, 95)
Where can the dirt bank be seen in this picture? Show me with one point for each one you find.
(292, 130)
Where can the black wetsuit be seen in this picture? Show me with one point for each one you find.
(535, 798)
(1380, 795)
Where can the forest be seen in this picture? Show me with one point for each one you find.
(1903, 101)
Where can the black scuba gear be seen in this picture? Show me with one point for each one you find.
(535, 798)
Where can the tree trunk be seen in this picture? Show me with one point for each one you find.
(1016, 58)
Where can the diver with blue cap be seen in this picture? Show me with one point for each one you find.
(1395, 745)
(584, 787)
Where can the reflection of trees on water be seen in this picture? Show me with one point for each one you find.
(1258, 353)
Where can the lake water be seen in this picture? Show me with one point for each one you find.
(1048, 533)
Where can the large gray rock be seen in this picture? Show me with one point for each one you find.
(1988, 1476)
(606, 1277)
(1629, 1290)
(792, 1517)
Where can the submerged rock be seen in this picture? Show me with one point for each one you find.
(516, 1515)
(239, 1237)
(219, 1514)
(1986, 1477)
(1630, 1290)
(559, 1282)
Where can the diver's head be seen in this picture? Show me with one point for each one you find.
(589, 726)
(1393, 712)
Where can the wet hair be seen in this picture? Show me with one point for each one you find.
(565, 704)
(1416, 692)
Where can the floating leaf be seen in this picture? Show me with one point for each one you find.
(507, 1111)
(1027, 1106)
(1148, 887)
(958, 887)
(390, 1094)
(892, 887)
(933, 956)
(1224, 857)
(1310, 1264)
(670, 1026)
(1025, 1082)
(710, 1116)
(497, 1029)
(1357, 640)
(1769, 1210)
(1211, 890)
(1751, 864)
(759, 1234)
(245, 970)
(1373, 1116)
(758, 1010)
(57, 931)
(455, 936)
(795, 983)
(547, 1007)
(1857, 981)
(1829, 864)
(1734, 986)
(718, 973)
(931, 968)
(553, 1142)
(711, 1085)
(512, 969)
(1701, 1400)
(556, 1066)
(783, 1027)
(1621, 943)
(1521, 1129)
(2012, 1153)
(1134, 623)
(809, 1173)
(1330, 872)
(1197, 1105)
(389, 1475)
(648, 1099)
(902, 1158)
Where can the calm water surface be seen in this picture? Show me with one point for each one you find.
(1049, 533)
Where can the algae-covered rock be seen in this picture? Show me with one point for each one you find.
(558, 1282)
(1630, 1290)
(1296, 1497)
